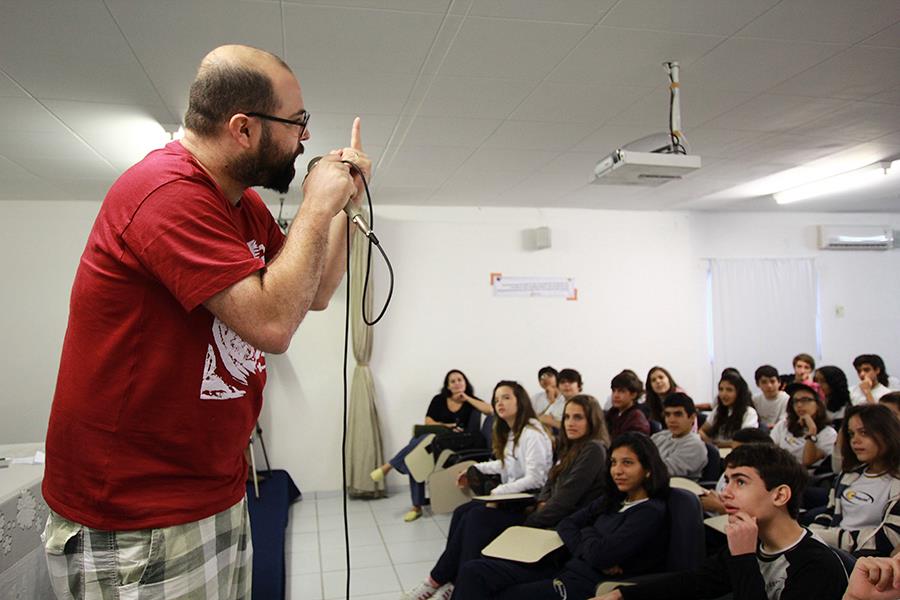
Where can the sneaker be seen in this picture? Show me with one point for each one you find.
(444, 592)
(421, 592)
(412, 515)
(377, 475)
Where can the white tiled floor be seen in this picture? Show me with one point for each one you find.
(386, 554)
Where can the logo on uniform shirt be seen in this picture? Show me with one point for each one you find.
(237, 360)
(857, 497)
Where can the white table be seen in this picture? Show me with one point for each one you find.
(23, 513)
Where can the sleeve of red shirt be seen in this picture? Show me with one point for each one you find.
(185, 236)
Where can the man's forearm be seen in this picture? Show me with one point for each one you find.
(335, 262)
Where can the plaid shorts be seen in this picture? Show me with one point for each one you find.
(206, 559)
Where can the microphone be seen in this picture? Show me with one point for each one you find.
(356, 216)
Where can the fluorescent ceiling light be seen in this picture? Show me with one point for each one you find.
(843, 182)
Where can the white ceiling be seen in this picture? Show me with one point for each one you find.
(473, 102)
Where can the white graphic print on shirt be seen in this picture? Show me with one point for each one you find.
(239, 359)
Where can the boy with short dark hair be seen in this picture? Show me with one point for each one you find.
(625, 415)
(769, 555)
(873, 379)
(680, 448)
(771, 402)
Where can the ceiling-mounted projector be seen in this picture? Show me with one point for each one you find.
(627, 167)
(656, 159)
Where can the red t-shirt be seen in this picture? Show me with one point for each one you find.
(156, 398)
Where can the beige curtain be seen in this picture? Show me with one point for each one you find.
(364, 450)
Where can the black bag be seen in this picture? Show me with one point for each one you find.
(457, 442)
(479, 483)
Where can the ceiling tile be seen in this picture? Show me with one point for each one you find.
(9, 170)
(477, 182)
(87, 166)
(364, 93)
(752, 65)
(889, 36)
(421, 166)
(476, 97)
(509, 160)
(891, 96)
(438, 6)
(720, 143)
(627, 56)
(449, 131)
(509, 48)
(320, 36)
(537, 135)
(698, 105)
(25, 114)
(577, 103)
(570, 11)
(9, 89)
(121, 134)
(856, 74)
(170, 37)
(858, 121)
(717, 17)
(791, 149)
(771, 113)
(604, 140)
(58, 144)
(563, 174)
(71, 50)
(841, 21)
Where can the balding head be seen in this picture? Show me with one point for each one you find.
(232, 79)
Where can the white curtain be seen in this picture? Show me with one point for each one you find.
(364, 448)
(764, 311)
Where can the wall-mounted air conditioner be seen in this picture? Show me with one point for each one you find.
(855, 237)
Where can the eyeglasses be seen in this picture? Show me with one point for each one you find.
(301, 122)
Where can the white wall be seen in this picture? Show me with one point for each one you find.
(641, 301)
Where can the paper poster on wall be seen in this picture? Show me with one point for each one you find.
(506, 286)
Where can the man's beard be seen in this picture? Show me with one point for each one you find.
(268, 168)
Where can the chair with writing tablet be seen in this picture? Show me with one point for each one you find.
(686, 537)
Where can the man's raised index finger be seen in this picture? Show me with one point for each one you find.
(355, 137)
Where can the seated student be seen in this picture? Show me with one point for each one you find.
(451, 408)
(577, 479)
(833, 385)
(548, 403)
(804, 366)
(874, 579)
(616, 536)
(873, 379)
(569, 382)
(660, 384)
(519, 439)
(804, 432)
(892, 401)
(712, 500)
(682, 450)
(625, 414)
(863, 514)
(771, 402)
(769, 555)
(734, 410)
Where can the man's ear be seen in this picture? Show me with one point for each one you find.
(781, 495)
(240, 129)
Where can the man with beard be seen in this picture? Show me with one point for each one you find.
(185, 282)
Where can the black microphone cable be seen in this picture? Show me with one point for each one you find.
(373, 240)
